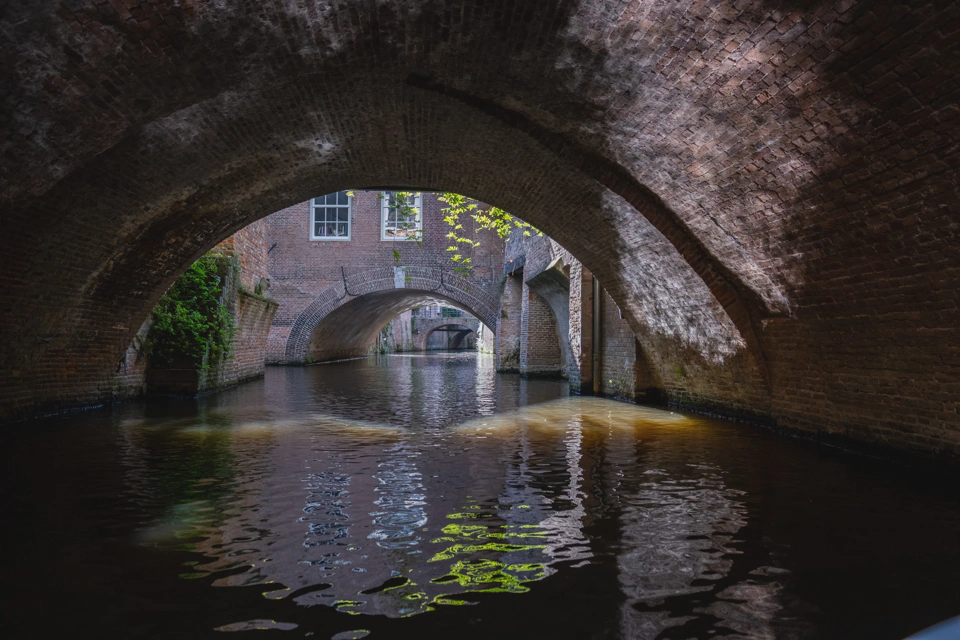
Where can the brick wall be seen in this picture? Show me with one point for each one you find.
(254, 314)
(131, 375)
(508, 328)
(580, 371)
(539, 341)
(624, 369)
(249, 302)
(302, 269)
(401, 332)
(249, 246)
(486, 341)
(546, 271)
(768, 190)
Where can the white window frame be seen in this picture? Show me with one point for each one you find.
(385, 210)
(313, 219)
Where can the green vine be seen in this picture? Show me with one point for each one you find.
(190, 321)
(407, 223)
(493, 219)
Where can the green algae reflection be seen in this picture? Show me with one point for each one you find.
(492, 571)
(471, 558)
(491, 576)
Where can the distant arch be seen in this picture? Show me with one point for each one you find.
(425, 329)
(459, 338)
(344, 319)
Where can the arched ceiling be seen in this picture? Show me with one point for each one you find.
(350, 329)
(720, 166)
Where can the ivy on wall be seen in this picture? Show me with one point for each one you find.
(190, 322)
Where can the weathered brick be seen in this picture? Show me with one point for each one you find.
(774, 214)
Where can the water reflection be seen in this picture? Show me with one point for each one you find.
(428, 510)
(504, 508)
(676, 533)
(400, 513)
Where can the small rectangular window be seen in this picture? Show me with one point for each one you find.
(401, 219)
(330, 217)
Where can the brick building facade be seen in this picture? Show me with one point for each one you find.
(343, 289)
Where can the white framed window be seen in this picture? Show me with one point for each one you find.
(330, 216)
(401, 220)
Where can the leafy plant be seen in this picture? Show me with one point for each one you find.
(190, 321)
(405, 215)
(493, 219)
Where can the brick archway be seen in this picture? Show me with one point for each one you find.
(766, 190)
(427, 327)
(461, 336)
(409, 286)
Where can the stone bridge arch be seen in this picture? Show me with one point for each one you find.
(354, 311)
(766, 202)
(426, 327)
(460, 337)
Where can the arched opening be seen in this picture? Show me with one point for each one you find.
(451, 336)
(350, 329)
(693, 209)
(381, 293)
(125, 272)
(761, 199)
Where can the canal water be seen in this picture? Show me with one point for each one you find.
(425, 496)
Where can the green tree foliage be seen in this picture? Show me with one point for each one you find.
(404, 215)
(493, 219)
(190, 320)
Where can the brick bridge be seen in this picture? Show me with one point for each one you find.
(424, 327)
(343, 320)
(766, 191)
(337, 293)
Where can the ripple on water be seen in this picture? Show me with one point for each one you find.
(432, 486)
